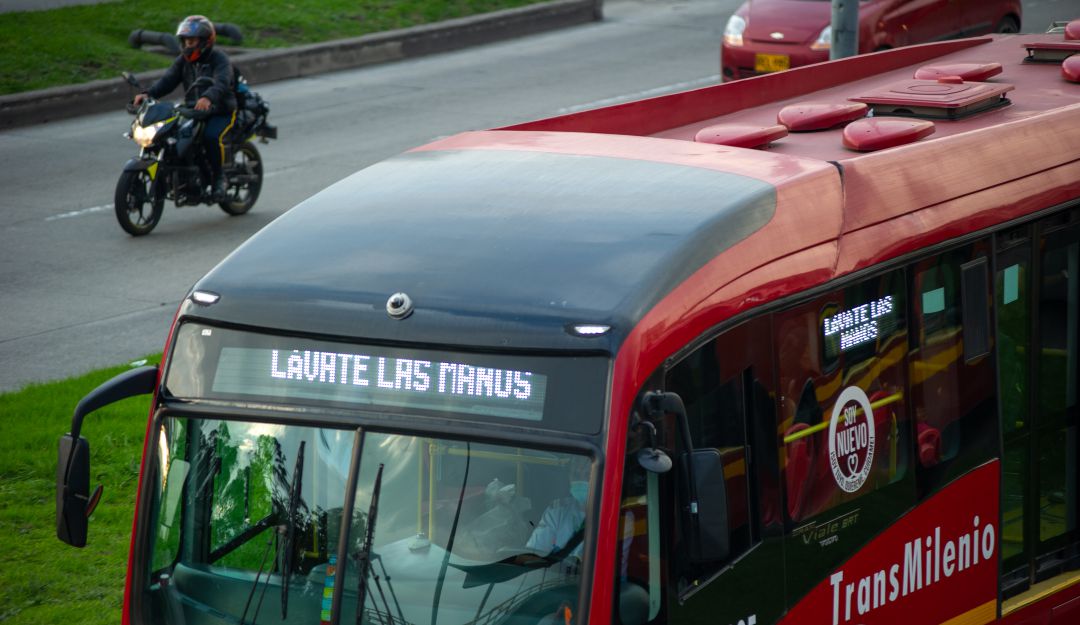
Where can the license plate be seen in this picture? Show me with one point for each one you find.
(771, 62)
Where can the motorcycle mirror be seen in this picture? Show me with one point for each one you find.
(131, 80)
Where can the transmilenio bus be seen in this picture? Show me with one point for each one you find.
(798, 349)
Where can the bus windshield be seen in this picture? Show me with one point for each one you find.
(251, 516)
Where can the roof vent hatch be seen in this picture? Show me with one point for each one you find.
(975, 72)
(944, 98)
(1050, 51)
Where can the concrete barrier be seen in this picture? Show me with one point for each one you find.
(45, 105)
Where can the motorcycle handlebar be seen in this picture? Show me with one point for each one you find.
(187, 111)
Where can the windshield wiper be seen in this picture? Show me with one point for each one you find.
(262, 565)
(290, 529)
(284, 541)
(363, 558)
(450, 539)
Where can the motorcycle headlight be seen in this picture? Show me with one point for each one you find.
(143, 136)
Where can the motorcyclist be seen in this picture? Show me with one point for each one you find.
(199, 58)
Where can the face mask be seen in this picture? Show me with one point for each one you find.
(579, 491)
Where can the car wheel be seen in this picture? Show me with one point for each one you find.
(1008, 24)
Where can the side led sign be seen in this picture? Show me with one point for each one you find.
(860, 324)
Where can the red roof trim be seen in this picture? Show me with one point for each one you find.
(772, 168)
(889, 183)
(646, 117)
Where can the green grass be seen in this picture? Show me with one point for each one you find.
(41, 49)
(41, 579)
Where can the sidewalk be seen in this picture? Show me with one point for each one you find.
(11, 6)
(35, 107)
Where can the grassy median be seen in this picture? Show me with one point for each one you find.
(42, 580)
(40, 49)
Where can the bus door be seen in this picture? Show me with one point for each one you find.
(1038, 304)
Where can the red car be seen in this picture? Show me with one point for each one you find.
(772, 35)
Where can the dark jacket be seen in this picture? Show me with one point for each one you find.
(216, 65)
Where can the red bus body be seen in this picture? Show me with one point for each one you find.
(860, 265)
(971, 174)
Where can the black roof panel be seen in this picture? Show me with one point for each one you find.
(508, 246)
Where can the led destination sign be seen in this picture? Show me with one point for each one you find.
(861, 324)
(378, 377)
(562, 392)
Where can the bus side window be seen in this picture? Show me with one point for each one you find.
(174, 468)
(840, 355)
(846, 436)
(727, 387)
(951, 373)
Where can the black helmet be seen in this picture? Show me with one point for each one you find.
(198, 27)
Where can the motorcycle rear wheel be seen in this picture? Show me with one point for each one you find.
(136, 211)
(245, 176)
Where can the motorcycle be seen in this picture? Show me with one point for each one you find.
(172, 163)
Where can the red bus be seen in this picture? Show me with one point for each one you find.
(798, 349)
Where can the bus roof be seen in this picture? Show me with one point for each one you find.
(512, 236)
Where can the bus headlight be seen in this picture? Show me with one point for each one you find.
(143, 136)
(734, 30)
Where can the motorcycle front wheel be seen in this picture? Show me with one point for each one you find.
(136, 210)
(245, 175)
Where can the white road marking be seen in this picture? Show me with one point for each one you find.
(80, 213)
(637, 95)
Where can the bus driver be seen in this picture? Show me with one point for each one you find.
(564, 516)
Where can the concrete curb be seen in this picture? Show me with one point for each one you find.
(45, 105)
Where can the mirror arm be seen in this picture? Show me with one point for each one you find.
(657, 403)
(140, 381)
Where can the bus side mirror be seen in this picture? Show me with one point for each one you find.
(708, 535)
(74, 503)
(701, 484)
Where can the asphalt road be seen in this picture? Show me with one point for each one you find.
(76, 293)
